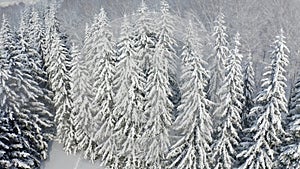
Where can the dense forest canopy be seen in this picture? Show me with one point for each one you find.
(146, 84)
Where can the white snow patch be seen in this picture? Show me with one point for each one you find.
(59, 159)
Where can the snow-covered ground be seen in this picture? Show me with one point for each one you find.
(59, 159)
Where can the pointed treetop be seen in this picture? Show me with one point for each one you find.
(4, 18)
(220, 18)
(102, 16)
(143, 8)
(237, 38)
(279, 46)
(249, 57)
(102, 12)
(5, 23)
(165, 7)
(190, 28)
(23, 25)
(125, 27)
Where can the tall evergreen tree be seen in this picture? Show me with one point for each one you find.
(59, 80)
(271, 104)
(129, 99)
(218, 57)
(21, 110)
(194, 122)
(6, 37)
(81, 98)
(52, 29)
(165, 32)
(289, 157)
(101, 56)
(37, 34)
(9, 139)
(225, 147)
(145, 37)
(249, 84)
(158, 109)
(40, 107)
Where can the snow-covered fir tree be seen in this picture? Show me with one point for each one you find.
(81, 98)
(36, 42)
(165, 32)
(9, 142)
(145, 37)
(289, 157)
(230, 110)
(40, 107)
(23, 112)
(271, 104)
(158, 109)
(52, 29)
(59, 80)
(218, 57)
(194, 122)
(7, 39)
(248, 85)
(101, 55)
(37, 35)
(129, 99)
(166, 27)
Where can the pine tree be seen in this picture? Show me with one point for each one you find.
(81, 98)
(129, 99)
(21, 110)
(158, 109)
(42, 107)
(166, 29)
(6, 37)
(166, 36)
(225, 147)
(194, 122)
(101, 57)
(271, 104)
(36, 50)
(289, 157)
(218, 57)
(145, 37)
(59, 80)
(249, 84)
(9, 139)
(52, 29)
(37, 35)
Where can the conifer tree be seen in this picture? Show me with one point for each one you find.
(6, 37)
(53, 29)
(158, 109)
(165, 32)
(267, 132)
(249, 84)
(81, 98)
(289, 157)
(166, 36)
(101, 57)
(37, 35)
(9, 105)
(129, 99)
(59, 80)
(145, 37)
(194, 122)
(225, 147)
(40, 107)
(37, 41)
(218, 57)
(21, 109)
